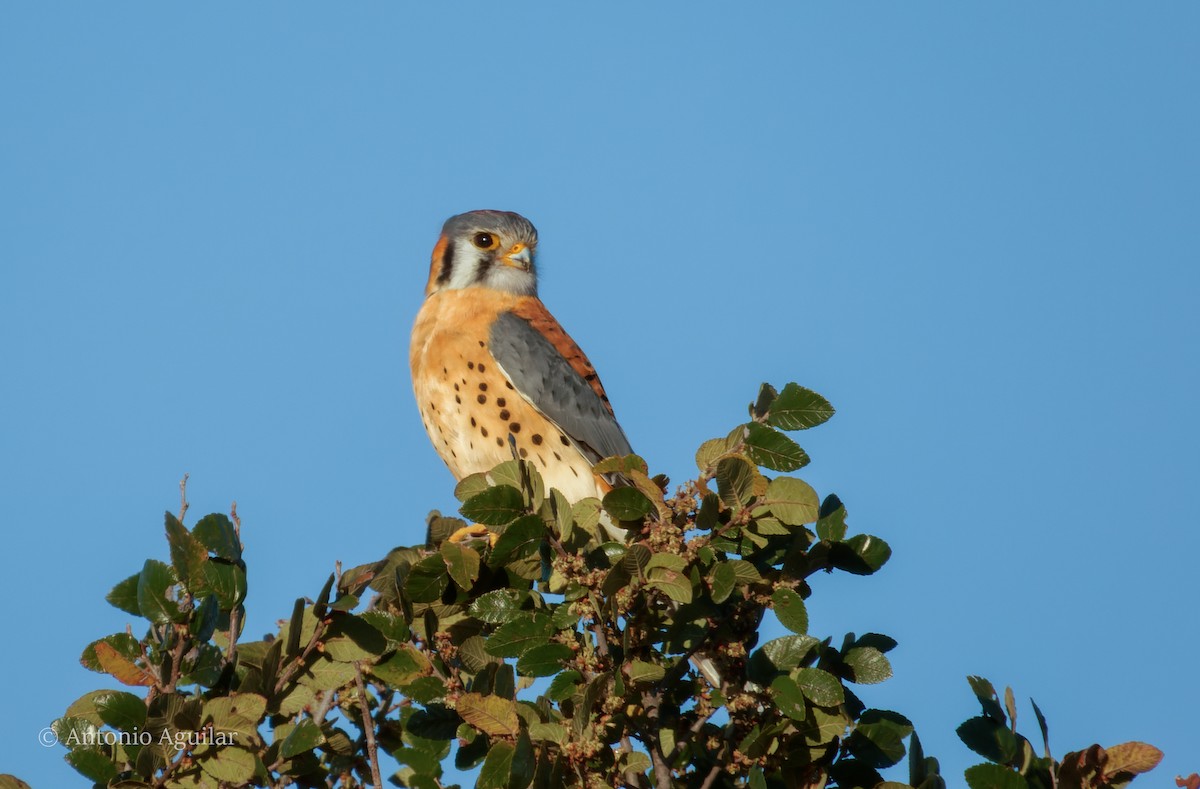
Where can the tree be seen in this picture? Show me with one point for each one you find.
(540, 654)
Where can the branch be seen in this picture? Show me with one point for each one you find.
(183, 502)
(368, 724)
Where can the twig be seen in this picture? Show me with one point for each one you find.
(368, 724)
(294, 667)
(237, 522)
(183, 502)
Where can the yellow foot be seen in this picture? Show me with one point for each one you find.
(475, 531)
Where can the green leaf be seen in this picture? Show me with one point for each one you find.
(627, 504)
(490, 714)
(989, 738)
(988, 698)
(126, 646)
(735, 482)
(123, 711)
(545, 660)
(710, 451)
(819, 687)
(641, 671)
(520, 635)
(792, 500)
(868, 665)
(188, 554)
(520, 540)
(789, 698)
(994, 776)
(586, 514)
(92, 764)
(351, 639)
(217, 534)
(499, 606)
(227, 582)
(427, 580)
(405, 666)
(496, 767)
(862, 554)
(675, 584)
(790, 610)
(786, 653)
(304, 737)
(462, 563)
(878, 738)
(771, 449)
(548, 732)
(832, 523)
(124, 595)
(564, 686)
(797, 408)
(723, 580)
(155, 593)
(230, 764)
(496, 506)
(762, 404)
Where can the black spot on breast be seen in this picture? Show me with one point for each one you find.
(573, 471)
(445, 371)
(482, 367)
(484, 431)
(499, 441)
(515, 427)
(472, 421)
(500, 401)
(537, 439)
(504, 415)
(457, 399)
(483, 387)
(456, 387)
(564, 440)
(470, 365)
(482, 399)
(524, 452)
(508, 384)
(481, 344)
(557, 456)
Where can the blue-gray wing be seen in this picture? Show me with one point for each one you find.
(546, 378)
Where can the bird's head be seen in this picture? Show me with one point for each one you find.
(489, 249)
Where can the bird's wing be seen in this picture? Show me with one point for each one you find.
(549, 370)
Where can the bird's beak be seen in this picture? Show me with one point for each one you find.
(520, 256)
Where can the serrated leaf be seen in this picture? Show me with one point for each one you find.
(868, 664)
(113, 662)
(427, 580)
(675, 584)
(641, 671)
(92, 764)
(994, 776)
(723, 580)
(470, 486)
(217, 534)
(496, 506)
(405, 666)
(831, 525)
(792, 500)
(548, 732)
(819, 687)
(735, 481)
(123, 711)
(790, 610)
(227, 582)
(497, 767)
(188, 554)
(786, 653)
(304, 737)
(564, 685)
(490, 714)
(544, 661)
(771, 449)
(520, 635)
(499, 606)
(1132, 757)
(124, 595)
(155, 593)
(797, 408)
(627, 504)
(230, 764)
(788, 698)
(462, 563)
(710, 451)
(520, 540)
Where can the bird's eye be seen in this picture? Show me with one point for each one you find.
(484, 241)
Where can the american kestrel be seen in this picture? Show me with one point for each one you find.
(489, 361)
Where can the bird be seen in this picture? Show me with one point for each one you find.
(491, 364)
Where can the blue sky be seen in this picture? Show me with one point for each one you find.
(973, 227)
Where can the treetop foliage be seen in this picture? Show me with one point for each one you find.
(542, 654)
